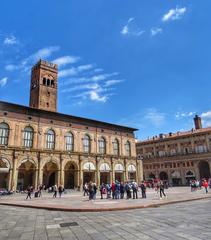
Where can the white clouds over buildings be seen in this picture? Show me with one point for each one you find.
(130, 29)
(174, 14)
(3, 81)
(155, 31)
(63, 61)
(10, 40)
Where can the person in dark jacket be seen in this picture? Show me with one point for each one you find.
(29, 191)
(135, 190)
(60, 189)
(122, 190)
(143, 190)
(162, 193)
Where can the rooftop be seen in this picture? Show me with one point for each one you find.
(11, 107)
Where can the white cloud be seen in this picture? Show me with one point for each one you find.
(3, 81)
(131, 30)
(43, 53)
(155, 117)
(10, 40)
(94, 96)
(75, 70)
(11, 67)
(26, 63)
(112, 82)
(174, 14)
(62, 61)
(155, 31)
(82, 87)
(180, 115)
(206, 118)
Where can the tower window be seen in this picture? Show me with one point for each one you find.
(52, 83)
(44, 81)
(47, 104)
(48, 82)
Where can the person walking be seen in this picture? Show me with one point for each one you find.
(113, 190)
(122, 190)
(206, 186)
(61, 190)
(102, 190)
(86, 190)
(91, 191)
(40, 190)
(94, 191)
(55, 189)
(162, 193)
(143, 190)
(135, 190)
(28, 192)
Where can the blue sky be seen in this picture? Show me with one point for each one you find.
(141, 63)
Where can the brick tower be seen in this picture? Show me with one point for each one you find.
(43, 89)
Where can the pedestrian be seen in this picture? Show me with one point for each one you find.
(143, 190)
(61, 190)
(206, 186)
(108, 190)
(128, 190)
(91, 191)
(135, 190)
(28, 192)
(117, 190)
(55, 189)
(40, 190)
(85, 188)
(94, 191)
(122, 190)
(113, 190)
(102, 190)
(162, 193)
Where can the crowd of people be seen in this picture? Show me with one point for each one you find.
(196, 184)
(117, 190)
(38, 193)
(120, 190)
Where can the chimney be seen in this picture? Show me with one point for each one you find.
(197, 122)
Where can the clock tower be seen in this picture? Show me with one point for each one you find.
(43, 88)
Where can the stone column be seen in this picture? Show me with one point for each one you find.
(40, 170)
(36, 178)
(126, 171)
(113, 170)
(97, 172)
(61, 171)
(80, 174)
(10, 180)
(14, 173)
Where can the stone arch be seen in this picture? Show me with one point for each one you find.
(71, 175)
(50, 173)
(204, 169)
(27, 159)
(89, 170)
(5, 167)
(26, 174)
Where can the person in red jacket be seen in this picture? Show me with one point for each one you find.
(206, 185)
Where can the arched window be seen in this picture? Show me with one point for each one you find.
(52, 83)
(4, 133)
(102, 145)
(127, 148)
(87, 144)
(48, 82)
(44, 81)
(28, 135)
(50, 139)
(116, 147)
(69, 141)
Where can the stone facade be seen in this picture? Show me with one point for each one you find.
(46, 147)
(177, 157)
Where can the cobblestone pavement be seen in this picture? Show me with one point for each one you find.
(76, 202)
(191, 220)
